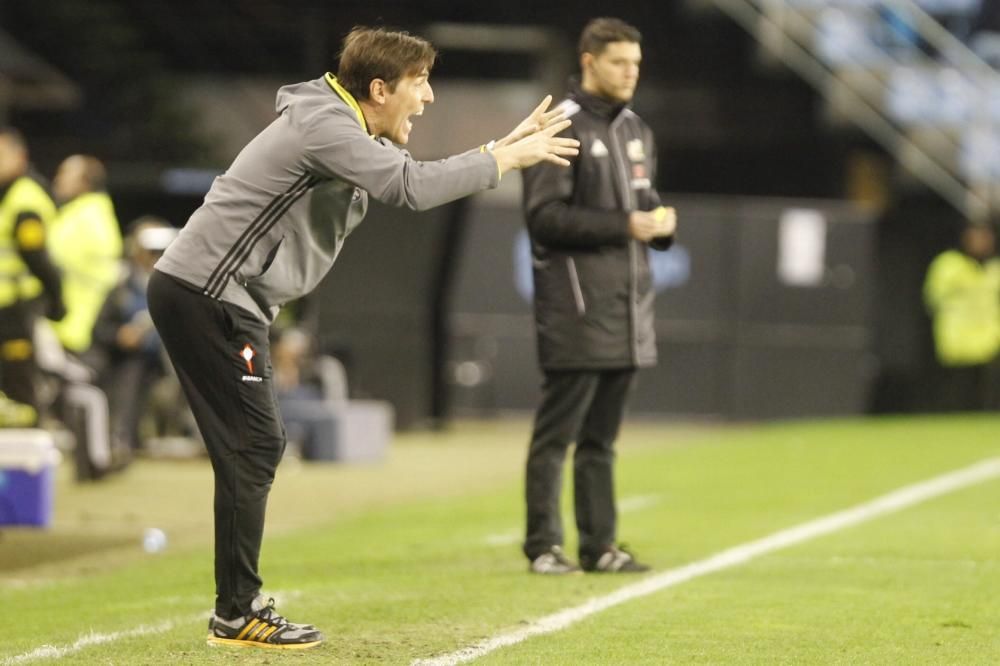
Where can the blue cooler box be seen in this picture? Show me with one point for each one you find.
(28, 459)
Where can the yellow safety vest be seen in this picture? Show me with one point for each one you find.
(964, 299)
(16, 281)
(85, 242)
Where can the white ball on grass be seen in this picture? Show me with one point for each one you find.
(154, 540)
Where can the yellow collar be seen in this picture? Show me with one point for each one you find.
(348, 98)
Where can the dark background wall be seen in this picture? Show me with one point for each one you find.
(734, 339)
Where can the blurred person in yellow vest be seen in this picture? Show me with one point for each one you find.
(29, 283)
(86, 244)
(962, 292)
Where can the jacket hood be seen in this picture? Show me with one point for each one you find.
(297, 93)
(318, 95)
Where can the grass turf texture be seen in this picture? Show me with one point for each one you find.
(393, 562)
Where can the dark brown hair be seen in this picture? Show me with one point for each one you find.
(600, 32)
(376, 53)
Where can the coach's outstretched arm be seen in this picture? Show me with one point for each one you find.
(335, 145)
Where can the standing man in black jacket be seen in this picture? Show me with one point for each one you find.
(590, 226)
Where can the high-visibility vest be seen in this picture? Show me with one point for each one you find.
(85, 242)
(16, 281)
(964, 299)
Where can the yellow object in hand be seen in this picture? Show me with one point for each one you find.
(660, 214)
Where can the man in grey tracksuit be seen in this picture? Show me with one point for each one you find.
(268, 231)
(590, 226)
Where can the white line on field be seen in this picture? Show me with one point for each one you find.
(894, 501)
(637, 503)
(503, 538)
(625, 505)
(94, 638)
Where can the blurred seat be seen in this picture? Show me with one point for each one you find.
(333, 427)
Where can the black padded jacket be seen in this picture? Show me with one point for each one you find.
(593, 289)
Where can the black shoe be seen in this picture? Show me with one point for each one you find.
(613, 560)
(553, 563)
(263, 628)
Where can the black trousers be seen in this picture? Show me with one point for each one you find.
(970, 388)
(585, 407)
(18, 369)
(128, 383)
(222, 358)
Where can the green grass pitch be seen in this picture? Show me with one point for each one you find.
(419, 557)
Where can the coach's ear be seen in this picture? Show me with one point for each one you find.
(377, 90)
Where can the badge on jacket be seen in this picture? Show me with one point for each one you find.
(639, 179)
(635, 150)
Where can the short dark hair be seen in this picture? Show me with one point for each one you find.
(600, 32)
(376, 53)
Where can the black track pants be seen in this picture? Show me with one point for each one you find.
(222, 358)
(18, 370)
(585, 407)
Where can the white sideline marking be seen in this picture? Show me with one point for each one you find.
(94, 638)
(625, 505)
(637, 503)
(503, 538)
(894, 501)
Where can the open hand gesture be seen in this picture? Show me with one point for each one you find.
(539, 119)
(534, 140)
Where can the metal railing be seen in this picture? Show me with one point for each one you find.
(857, 84)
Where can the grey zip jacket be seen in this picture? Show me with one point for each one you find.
(272, 225)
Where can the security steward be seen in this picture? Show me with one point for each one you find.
(85, 241)
(29, 283)
(962, 293)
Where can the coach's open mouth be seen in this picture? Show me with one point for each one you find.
(409, 119)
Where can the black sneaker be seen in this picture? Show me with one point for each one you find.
(263, 628)
(553, 562)
(613, 560)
